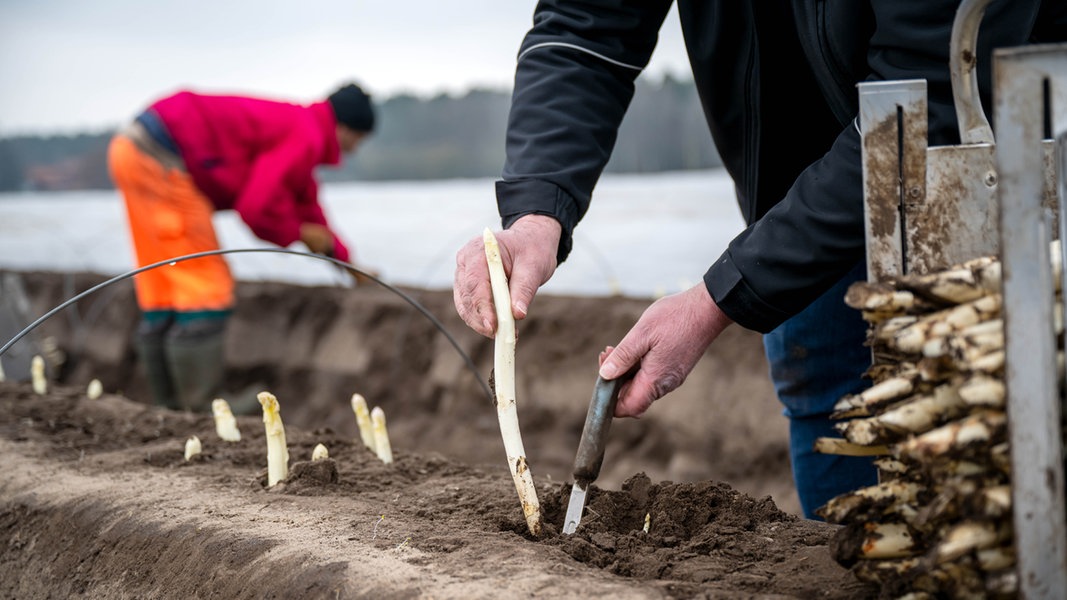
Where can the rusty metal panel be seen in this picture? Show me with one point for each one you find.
(958, 220)
(891, 112)
(1034, 405)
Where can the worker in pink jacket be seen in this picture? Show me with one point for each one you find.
(185, 157)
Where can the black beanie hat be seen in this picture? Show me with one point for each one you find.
(352, 107)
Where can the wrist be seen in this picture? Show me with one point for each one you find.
(712, 319)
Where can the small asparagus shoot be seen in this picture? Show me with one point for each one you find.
(381, 436)
(225, 422)
(40, 384)
(277, 452)
(319, 453)
(95, 389)
(192, 448)
(504, 384)
(366, 429)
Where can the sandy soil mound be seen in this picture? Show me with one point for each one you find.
(98, 500)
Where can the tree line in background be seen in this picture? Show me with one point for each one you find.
(433, 138)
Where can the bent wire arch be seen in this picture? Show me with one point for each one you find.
(343, 265)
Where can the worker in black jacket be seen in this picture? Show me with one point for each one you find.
(777, 83)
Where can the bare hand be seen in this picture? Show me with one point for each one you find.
(317, 238)
(667, 341)
(528, 251)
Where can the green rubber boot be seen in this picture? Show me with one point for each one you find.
(195, 358)
(150, 344)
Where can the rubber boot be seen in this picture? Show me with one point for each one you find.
(150, 343)
(195, 357)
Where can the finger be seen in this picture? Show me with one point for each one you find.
(524, 281)
(636, 395)
(625, 356)
(471, 291)
(606, 352)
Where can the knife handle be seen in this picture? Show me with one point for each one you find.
(595, 432)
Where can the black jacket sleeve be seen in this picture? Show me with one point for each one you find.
(815, 234)
(573, 84)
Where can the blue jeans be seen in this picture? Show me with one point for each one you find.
(816, 357)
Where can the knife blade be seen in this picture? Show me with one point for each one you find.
(591, 447)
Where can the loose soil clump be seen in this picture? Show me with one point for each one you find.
(100, 502)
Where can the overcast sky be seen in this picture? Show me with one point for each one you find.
(76, 65)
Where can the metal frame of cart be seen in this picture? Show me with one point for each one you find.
(927, 208)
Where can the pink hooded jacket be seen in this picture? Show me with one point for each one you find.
(257, 157)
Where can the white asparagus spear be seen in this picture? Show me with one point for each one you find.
(878, 298)
(40, 384)
(967, 537)
(983, 391)
(366, 429)
(885, 330)
(873, 541)
(504, 386)
(277, 452)
(846, 507)
(915, 415)
(225, 422)
(94, 390)
(381, 435)
(863, 403)
(319, 453)
(942, 323)
(192, 447)
(829, 445)
(995, 559)
(978, 428)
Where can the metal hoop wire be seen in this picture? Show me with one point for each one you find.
(343, 265)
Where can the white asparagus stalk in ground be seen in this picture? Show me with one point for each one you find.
(225, 422)
(192, 447)
(366, 429)
(319, 453)
(504, 386)
(94, 390)
(40, 384)
(277, 452)
(382, 446)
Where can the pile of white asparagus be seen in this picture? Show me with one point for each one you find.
(939, 522)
